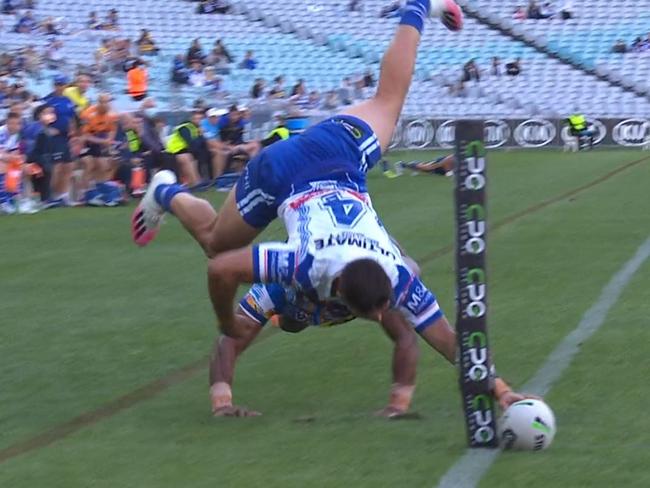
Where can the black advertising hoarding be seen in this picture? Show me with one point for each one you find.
(474, 360)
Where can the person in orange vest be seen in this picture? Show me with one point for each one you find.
(137, 80)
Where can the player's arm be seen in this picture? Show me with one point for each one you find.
(419, 306)
(442, 337)
(224, 356)
(261, 263)
(405, 358)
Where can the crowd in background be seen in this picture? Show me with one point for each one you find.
(545, 10)
(639, 45)
(68, 150)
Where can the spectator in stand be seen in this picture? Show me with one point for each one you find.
(137, 80)
(195, 53)
(520, 13)
(547, 11)
(179, 71)
(277, 90)
(533, 11)
(76, 92)
(514, 68)
(26, 23)
(49, 27)
(346, 91)
(332, 101)
(112, 20)
(8, 7)
(213, 7)
(313, 102)
(32, 60)
(93, 22)
(369, 80)
(61, 129)
(257, 91)
(55, 56)
(299, 88)
(249, 62)
(196, 76)
(212, 82)
(620, 47)
(496, 69)
(566, 11)
(300, 98)
(221, 6)
(146, 44)
(354, 6)
(471, 72)
(220, 51)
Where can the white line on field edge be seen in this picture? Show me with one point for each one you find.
(470, 468)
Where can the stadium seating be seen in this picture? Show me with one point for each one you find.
(587, 38)
(320, 41)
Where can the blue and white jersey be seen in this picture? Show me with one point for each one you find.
(8, 142)
(328, 227)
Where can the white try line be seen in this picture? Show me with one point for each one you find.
(470, 468)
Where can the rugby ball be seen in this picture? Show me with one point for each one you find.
(527, 425)
(449, 13)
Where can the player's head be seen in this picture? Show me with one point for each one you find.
(365, 287)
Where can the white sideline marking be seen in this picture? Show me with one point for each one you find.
(470, 468)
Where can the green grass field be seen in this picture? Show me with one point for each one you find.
(90, 324)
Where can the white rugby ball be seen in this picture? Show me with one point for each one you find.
(449, 13)
(527, 425)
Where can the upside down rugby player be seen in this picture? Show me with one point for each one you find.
(340, 149)
(336, 246)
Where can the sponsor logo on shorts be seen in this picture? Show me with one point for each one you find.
(352, 129)
(632, 132)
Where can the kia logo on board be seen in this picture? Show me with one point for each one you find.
(632, 132)
(535, 133)
(446, 134)
(497, 133)
(397, 136)
(418, 134)
(599, 129)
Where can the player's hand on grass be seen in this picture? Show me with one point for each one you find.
(390, 412)
(235, 411)
(510, 397)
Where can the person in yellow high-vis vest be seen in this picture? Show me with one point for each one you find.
(579, 128)
(182, 145)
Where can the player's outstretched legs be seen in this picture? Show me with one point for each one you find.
(382, 111)
(197, 215)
